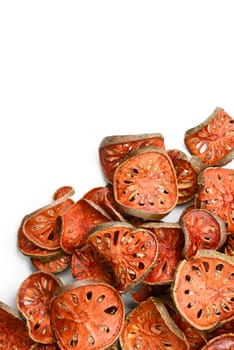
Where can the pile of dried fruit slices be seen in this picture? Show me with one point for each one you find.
(116, 241)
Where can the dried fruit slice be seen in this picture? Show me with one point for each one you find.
(113, 149)
(88, 264)
(30, 249)
(75, 223)
(149, 326)
(13, 331)
(186, 175)
(202, 230)
(222, 342)
(33, 300)
(170, 240)
(216, 193)
(130, 251)
(227, 327)
(229, 245)
(145, 184)
(212, 140)
(55, 265)
(203, 289)
(87, 315)
(196, 339)
(63, 192)
(40, 226)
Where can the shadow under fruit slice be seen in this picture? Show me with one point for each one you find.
(33, 300)
(113, 149)
(87, 315)
(131, 252)
(145, 184)
(149, 326)
(203, 289)
(212, 140)
(13, 330)
(216, 193)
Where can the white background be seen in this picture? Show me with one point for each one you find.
(72, 72)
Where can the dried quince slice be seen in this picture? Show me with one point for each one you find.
(149, 326)
(221, 342)
(202, 230)
(13, 331)
(33, 300)
(113, 149)
(203, 289)
(212, 140)
(87, 315)
(216, 193)
(131, 252)
(186, 175)
(170, 240)
(145, 184)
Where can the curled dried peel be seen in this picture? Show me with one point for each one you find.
(149, 326)
(203, 289)
(87, 315)
(145, 184)
(131, 252)
(212, 140)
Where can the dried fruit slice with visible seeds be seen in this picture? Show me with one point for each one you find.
(202, 289)
(75, 223)
(149, 326)
(113, 149)
(216, 193)
(131, 252)
(33, 300)
(145, 184)
(212, 140)
(30, 249)
(222, 342)
(202, 230)
(170, 240)
(40, 226)
(87, 315)
(13, 330)
(55, 265)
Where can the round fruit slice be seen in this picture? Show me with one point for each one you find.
(203, 289)
(145, 184)
(113, 149)
(13, 331)
(131, 252)
(222, 342)
(216, 193)
(87, 315)
(63, 192)
(212, 140)
(149, 326)
(202, 230)
(33, 300)
(55, 265)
